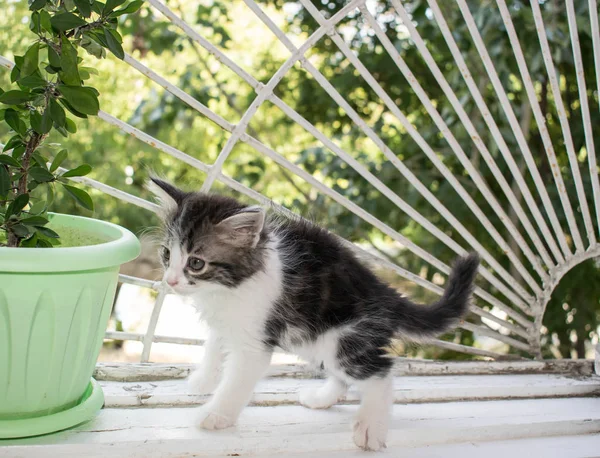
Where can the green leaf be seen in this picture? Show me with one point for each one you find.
(58, 159)
(113, 44)
(84, 7)
(70, 126)
(47, 232)
(111, 5)
(91, 70)
(82, 99)
(80, 171)
(31, 242)
(43, 243)
(32, 81)
(115, 34)
(68, 63)
(82, 197)
(37, 208)
(97, 6)
(62, 131)
(92, 47)
(57, 113)
(36, 121)
(50, 194)
(14, 73)
(14, 142)
(17, 205)
(5, 183)
(17, 176)
(45, 21)
(46, 121)
(15, 122)
(9, 160)
(34, 221)
(20, 230)
(31, 60)
(53, 57)
(99, 37)
(69, 107)
(18, 152)
(40, 160)
(40, 174)
(66, 21)
(41, 123)
(15, 97)
(35, 5)
(12, 119)
(131, 8)
(34, 24)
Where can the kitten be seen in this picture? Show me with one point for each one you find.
(262, 282)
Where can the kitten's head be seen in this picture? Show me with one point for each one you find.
(209, 241)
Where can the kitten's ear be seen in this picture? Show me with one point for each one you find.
(242, 229)
(168, 195)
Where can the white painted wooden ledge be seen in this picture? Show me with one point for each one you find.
(539, 408)
(296, 431)
(424, 389)
(132, 372)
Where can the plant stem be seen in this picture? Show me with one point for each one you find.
(85, 28)
(12, 240)
(32, 144)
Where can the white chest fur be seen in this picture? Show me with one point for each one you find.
(239, 314)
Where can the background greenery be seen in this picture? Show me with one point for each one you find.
(122, 161)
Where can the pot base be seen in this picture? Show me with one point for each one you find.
(90, 404)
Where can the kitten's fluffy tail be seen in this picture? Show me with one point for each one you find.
(418, 321)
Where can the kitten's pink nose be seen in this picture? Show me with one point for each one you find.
(172, 281)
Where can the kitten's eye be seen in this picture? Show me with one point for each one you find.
(166, 254)
(196, 264)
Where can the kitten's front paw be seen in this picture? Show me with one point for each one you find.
(370, 434)
(211, 419)
(314, 398)
(202, 382)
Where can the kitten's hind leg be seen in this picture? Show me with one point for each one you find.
(372, 421)
(324, 396)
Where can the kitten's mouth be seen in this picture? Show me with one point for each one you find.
(182, 290)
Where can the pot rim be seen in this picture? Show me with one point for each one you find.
(122, 247)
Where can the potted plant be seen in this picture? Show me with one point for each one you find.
(58, 273)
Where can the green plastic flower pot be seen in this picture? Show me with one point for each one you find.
(54, 308)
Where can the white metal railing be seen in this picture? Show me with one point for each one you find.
(523, 303)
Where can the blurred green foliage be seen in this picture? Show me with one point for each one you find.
(124, 162)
